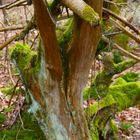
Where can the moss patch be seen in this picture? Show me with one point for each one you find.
(105, 102)
(25, 60)
(119, 81)
(22, 54)
(125, 95)
(31, 132)
(123, 65)
(90, 15)
(131, 77)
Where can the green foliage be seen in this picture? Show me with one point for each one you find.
(10, 90)
(31, 131)
(126, 126)
(101, 47)
(65, 35)
(117, 57)
(131, 77)
(9, 109)
(122, 40)
(2, 118)
(7, 90)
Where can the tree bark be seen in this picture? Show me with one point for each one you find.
(59, 110)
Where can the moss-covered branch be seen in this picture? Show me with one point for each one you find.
(83, 10)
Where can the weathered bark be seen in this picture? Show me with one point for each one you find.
(58, 109)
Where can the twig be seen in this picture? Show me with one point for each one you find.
(34, 40)
(112, 33)
(10, 74)
(6, 5)
(12, 4)
(10, 28)
(13, 92)
(22, 124)
(22, 34)
(18, 132)
(115, 3)
(9, 41)
(121, 49)
(122, 20)
(20, 3)
(130, 34)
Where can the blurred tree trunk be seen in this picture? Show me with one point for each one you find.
(56, 96)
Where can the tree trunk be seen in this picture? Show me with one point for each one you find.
(56, 98)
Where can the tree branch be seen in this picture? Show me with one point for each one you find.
(83, 10)
(20, 35)
(84, 43)
(10, 28)
(130, 34)
(122, 20)
(47, 31)
(121, 49)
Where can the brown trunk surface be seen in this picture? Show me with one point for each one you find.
(59, 112)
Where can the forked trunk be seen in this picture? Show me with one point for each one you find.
(58, 109)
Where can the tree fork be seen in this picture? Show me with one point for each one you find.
(60, 112)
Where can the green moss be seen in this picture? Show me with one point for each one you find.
(124, 65)
(19, 53)
(99, 87)
(94, 132)
(22, 54)
(117, 57)
(90, 15)
(131, 77)
(105, 102)
(2, 118)
(125, 95)
(31, 132)
(9, 90)
(65, 35)
(26, 61)
(119, 81)
(117, 94)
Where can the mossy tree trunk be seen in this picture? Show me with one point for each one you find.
(55, 90)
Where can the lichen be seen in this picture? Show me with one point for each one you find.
(60, 131)
(34, 106)
(90, 15)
